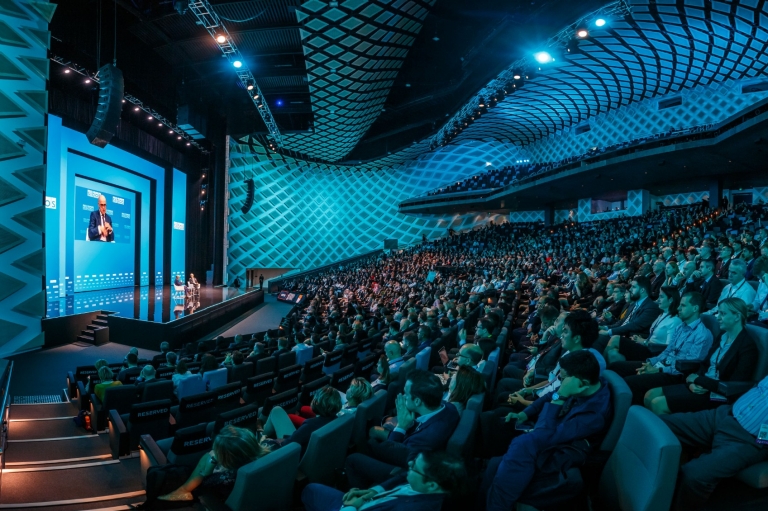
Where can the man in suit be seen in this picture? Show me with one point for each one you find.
(100, 224)
(430, 478)
(282, 347)
(257, 354)
(657, 280)
(192, 283)
(725, 261)
(132, 371)
(424, 423)
(641, 313)
(705, 282)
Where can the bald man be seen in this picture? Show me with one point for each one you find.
(100, 226)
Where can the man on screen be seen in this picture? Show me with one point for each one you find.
(100, 226)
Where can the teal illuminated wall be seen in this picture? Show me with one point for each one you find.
(24, 39)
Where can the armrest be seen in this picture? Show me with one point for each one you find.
(119, 441)
(687, 366)
(212, 503)
(71, 383)
(734, 388)
(151, 456)
(83, 398)
(96, 404)
(98, 414)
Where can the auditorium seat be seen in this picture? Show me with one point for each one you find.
(288, 401)
(120, 398)
(268, 481)
(81, 375)
(155, 390)
(475, 403)
(266, 365)
(405, 370)
(332, 362)
(242, 417)
(228, 397)
(422, 359)
(288, 378)
(259, 388)
(326, 451)
(189, 387)
(712, 325)
(186, 447)
(341, 379)
(239, 373)
(144, 419)
(313, 369)
(365, 366)
(286, 359)
(195, 409)
(462, 441)
(369, 412)
(214, 379)
(640, 474)
(308, 390)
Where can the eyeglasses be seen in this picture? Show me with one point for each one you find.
(411, 465)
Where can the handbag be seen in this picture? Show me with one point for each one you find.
(162, 480)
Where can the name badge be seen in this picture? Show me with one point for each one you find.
(714, 396)
(762, 436)
(532, 363)
(659, 365)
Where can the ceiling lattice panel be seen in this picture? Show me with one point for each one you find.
(353, 53)
(660, 48)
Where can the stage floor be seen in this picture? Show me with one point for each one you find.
(148, 303)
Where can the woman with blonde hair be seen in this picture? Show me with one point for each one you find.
(217, 471)
(107, 378)
(732, 359)
(359, 391)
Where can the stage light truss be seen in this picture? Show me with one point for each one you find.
(559, 41)
(129, 98)
(208, 18)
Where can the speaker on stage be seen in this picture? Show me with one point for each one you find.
(250, 188)
(111, 89)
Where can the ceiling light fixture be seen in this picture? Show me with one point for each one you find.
(87, 80)
(238, 64)
(136, 109)
(221, 39)
(599, 22)
(582, 33)
(543, 57)
(67, 71)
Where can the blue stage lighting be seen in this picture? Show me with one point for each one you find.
(237, 64)
(543, 57)
(279, 102)
(599, 22)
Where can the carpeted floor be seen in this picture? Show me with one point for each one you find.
(263, 317)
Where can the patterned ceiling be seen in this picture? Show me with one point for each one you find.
(353, 53)
(659, 48)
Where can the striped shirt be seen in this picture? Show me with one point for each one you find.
(751, 409)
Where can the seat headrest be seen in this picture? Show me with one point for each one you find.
(191, 440)
(333, 356)
(229, 392)
(256, 383)
(197, 402)
(151, 411)
(240, 417)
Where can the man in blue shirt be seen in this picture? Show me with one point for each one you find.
(690, 343)
(730, 433)
(576, 415)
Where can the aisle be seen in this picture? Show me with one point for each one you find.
(52, 464)
(263, 317)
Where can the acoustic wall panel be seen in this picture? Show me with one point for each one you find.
(23, 106)
(307, 215)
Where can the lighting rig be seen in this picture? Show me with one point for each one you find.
(208, 18)
(139, 105)
(513, 77)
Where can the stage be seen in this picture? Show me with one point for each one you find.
(145, 316)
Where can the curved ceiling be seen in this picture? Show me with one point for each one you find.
(659, 48)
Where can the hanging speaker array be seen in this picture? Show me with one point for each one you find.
(111, 88)
(250, 188)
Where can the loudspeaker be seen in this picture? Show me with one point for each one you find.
(250, 188)
(111, 89)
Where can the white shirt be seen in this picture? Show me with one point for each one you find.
(663, 328)
(741, 290)
(760, 297)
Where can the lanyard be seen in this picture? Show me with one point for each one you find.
(656, 323)
(732, 292)
(720, 354)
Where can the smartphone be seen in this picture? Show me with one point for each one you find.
(524, 426)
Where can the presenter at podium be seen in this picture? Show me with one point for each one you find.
(100, 226)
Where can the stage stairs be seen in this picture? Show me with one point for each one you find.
(97, 333)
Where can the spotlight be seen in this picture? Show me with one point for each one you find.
(160, 124)
(582, 33)
(279, 102)
(543, 57)
(221, 39)
(256, 96)
(170, 131)
(249, 86)
(599, 22)
(188, 143)
(136, 109)
(149, 118)
(237, 64)
(87, 80)
(66, 71)
(481, 104)
(517, 74)
(123, 101)
(179, 138)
